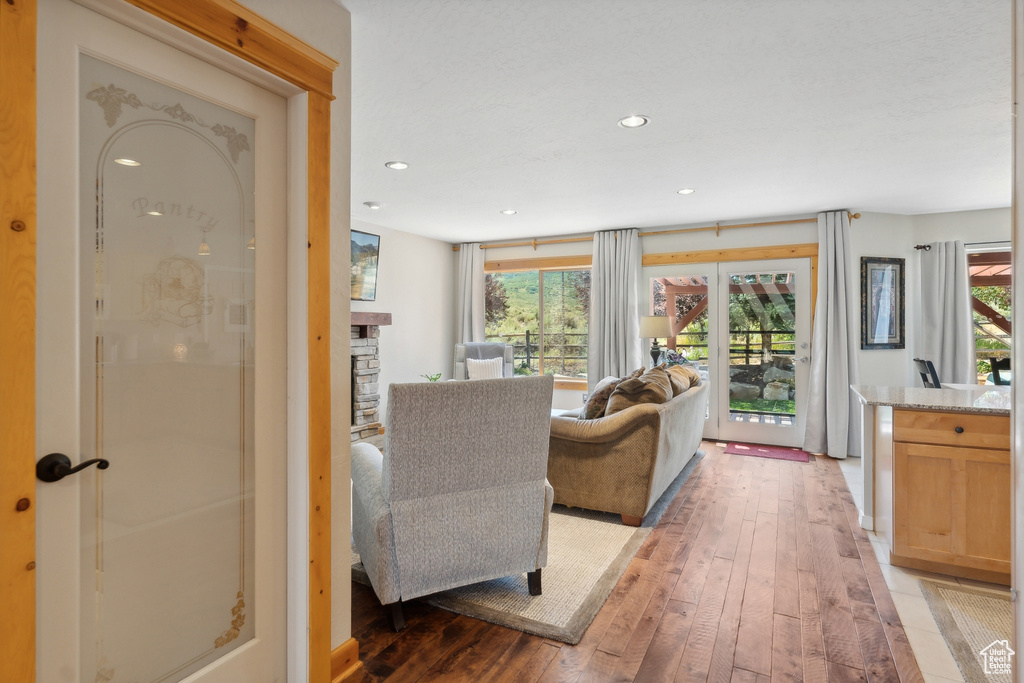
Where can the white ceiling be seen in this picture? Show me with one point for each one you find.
(765, 108)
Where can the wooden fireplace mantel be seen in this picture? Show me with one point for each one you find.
(362, 318)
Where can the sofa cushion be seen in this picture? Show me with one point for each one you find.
(651, 387)
(598, 399)
(684, 376)
(491, 368)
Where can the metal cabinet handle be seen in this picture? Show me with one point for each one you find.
(959, 430)
(56, 466)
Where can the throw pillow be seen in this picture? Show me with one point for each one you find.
(685, 374)
(651, 387)
(598, 399)
(679, 384)
(490, 368)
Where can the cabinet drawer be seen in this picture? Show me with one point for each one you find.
(978, 431)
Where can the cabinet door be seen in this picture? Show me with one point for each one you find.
(952, 505)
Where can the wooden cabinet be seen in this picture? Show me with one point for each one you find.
(952, 493)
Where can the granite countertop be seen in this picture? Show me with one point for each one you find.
(973, 400)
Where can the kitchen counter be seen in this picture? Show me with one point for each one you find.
(928, 456)
(877, 403)
(979, 399)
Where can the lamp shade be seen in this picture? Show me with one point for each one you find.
(655, 326)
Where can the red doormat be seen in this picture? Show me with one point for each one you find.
(775, 452)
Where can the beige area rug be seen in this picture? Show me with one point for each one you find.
(587, 554)
(971, 620)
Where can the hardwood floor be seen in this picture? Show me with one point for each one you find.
(758, 571)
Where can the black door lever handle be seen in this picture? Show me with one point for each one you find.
(56, 466)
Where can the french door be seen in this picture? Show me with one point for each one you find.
(161, 354)
(746, 325)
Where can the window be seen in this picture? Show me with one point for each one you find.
(544, 314)
(990, 273)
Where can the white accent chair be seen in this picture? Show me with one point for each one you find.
(460, 493)
(482, 351)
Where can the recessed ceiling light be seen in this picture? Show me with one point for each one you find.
(397, 165)
(508, 212)
(127, 162)
(687, 190)
(154, 213)
(372, 205)
(634, 121)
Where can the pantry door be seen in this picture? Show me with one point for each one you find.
(161, 354)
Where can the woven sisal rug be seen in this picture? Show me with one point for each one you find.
(972, 621)
(587, 554)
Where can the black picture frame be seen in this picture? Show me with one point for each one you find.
(365, 257)
(882, 305)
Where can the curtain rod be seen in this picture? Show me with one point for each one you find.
(928, 247)
(716, 227)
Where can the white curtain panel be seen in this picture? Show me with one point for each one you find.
(947, 316)
(469, 322)
(614, 347)
(833, 419)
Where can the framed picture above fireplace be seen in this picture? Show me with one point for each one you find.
(365, 252)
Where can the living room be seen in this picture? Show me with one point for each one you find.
(762, 165)
(722, 133)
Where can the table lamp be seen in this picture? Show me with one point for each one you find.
(652, 327)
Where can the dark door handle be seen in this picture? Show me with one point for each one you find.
(56, 466)
(959, 430)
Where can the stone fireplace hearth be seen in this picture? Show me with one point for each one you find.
(365, 353)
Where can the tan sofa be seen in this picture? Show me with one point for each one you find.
(622, 463)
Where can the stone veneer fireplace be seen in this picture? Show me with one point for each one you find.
(365, 352)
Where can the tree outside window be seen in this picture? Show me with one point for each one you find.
(544, 315)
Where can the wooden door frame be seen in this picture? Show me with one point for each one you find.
(231, 27)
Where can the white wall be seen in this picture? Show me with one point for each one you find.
(887, 236)
(969, 226)
(416, 285)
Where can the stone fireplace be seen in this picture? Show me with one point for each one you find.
(365, 352)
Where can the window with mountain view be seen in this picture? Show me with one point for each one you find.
(544, 315)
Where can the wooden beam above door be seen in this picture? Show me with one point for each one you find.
(240, 31)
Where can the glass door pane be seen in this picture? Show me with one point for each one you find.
(168, 184)
(685, 300)
(768, 350)
(688, 295)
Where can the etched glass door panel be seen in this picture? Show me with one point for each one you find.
(168, 248)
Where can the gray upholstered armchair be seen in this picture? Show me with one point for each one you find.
(460, 493)
(482, 351)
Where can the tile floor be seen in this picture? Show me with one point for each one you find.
(933, 656)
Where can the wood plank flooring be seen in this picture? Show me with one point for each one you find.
(758, 572)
